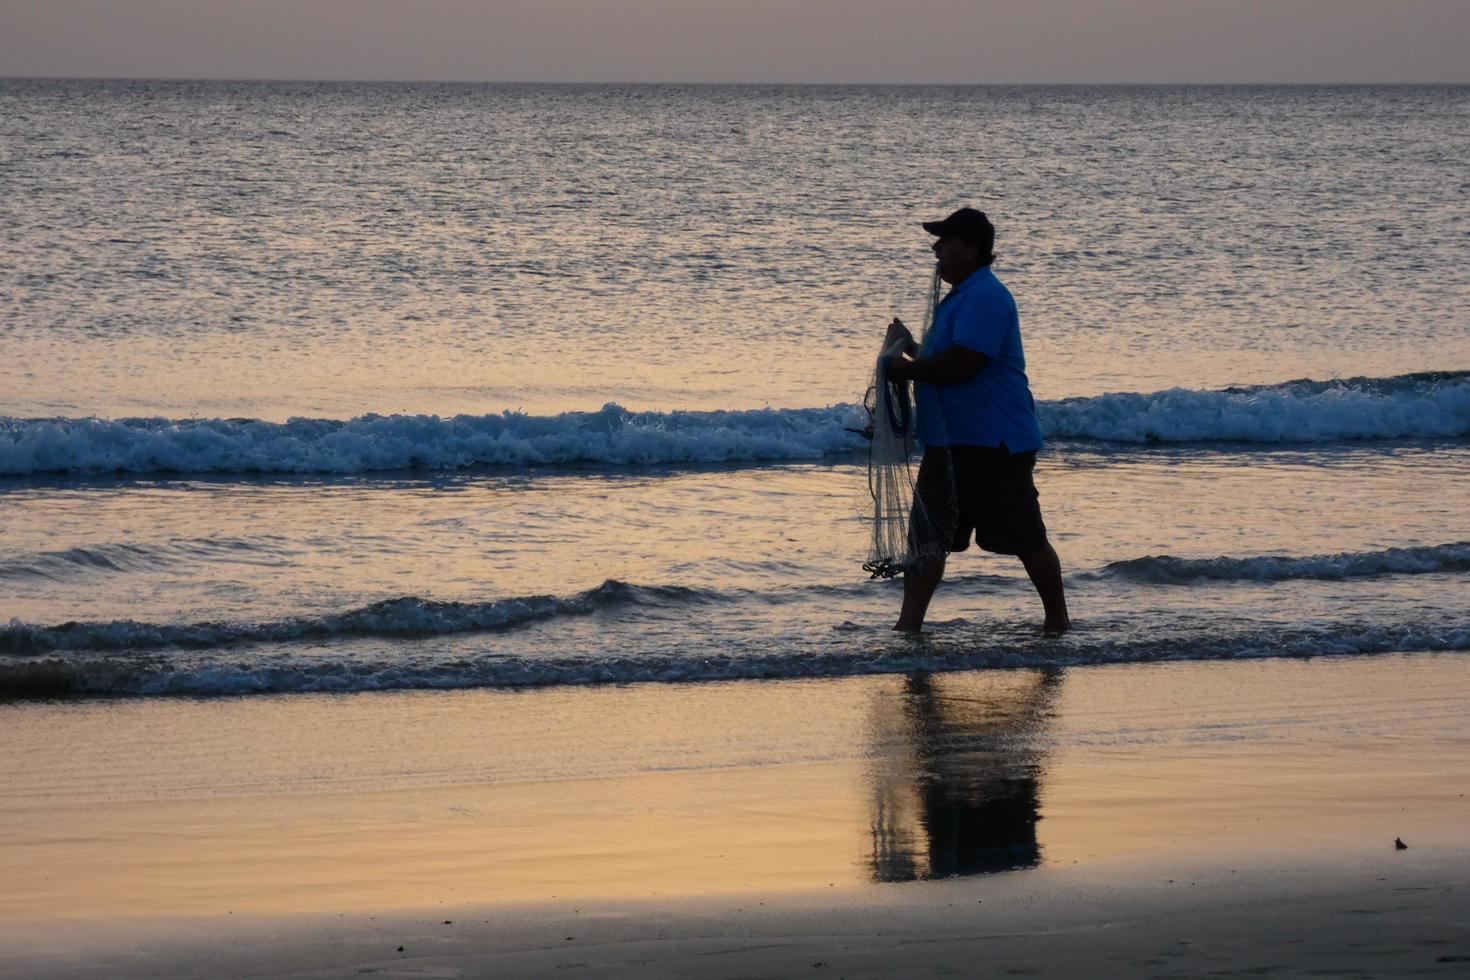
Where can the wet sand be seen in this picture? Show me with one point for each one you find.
(1169, 819)
(1409, 921)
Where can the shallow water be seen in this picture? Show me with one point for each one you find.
(615, 336)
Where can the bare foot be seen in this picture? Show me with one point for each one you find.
(1056, 627)
(910, 628)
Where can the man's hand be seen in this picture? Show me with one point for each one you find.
(896, 368)
(897, 331)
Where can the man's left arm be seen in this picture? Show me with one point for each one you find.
(977, 338)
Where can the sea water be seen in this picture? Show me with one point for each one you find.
(357, 386)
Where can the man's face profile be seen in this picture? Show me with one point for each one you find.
(957, 258)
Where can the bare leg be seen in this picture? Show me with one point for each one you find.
(1045, 569)
(918, 588)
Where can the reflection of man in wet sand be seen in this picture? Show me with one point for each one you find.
(977, 421)
(971, 773)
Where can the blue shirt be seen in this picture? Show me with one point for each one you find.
(995, 406)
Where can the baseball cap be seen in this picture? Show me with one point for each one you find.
(967, 224)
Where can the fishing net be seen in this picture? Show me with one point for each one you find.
(914, 515)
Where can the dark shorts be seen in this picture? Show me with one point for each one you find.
(991, 496)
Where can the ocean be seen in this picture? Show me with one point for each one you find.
(346, 387)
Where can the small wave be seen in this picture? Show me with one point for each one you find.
(69, 563)
(411, 616)
(57, 676)
(1416, 406)
(405, 617)
(1166, 569)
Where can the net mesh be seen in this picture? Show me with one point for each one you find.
(911, 523)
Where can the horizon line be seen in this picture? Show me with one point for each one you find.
(724, 84)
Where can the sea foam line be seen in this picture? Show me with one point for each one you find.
(220, 674)
(1409, 406)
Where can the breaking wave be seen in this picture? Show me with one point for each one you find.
(404, 442)
(1412, 406)
(1415, 406)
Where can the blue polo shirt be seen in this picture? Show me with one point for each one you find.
(995, 406)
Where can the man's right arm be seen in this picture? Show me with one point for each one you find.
(953, 366)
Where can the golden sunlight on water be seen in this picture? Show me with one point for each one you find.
(313, 803)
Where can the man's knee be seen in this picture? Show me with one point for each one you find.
(925, 568)
(1045, 553)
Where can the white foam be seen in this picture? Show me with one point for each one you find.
(397, 442)
(1412, 406)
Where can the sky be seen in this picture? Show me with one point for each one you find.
(824, 41)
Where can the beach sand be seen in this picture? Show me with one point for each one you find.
(1152, 820)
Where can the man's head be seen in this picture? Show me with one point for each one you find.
(965, 242)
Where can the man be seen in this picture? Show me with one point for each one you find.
(977, 422)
